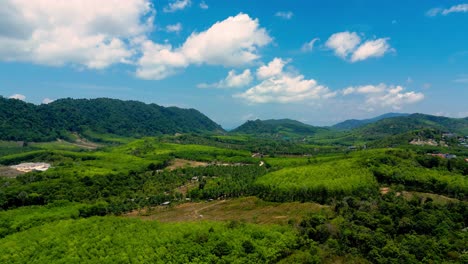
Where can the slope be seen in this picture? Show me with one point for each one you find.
(278, 128)
(25, 121)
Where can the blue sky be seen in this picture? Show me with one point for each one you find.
(319, 62)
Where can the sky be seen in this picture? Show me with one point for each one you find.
(319, 62)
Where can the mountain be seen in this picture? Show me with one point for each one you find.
(277, 127)
(355, 123)
(24, 121)
(414, 122)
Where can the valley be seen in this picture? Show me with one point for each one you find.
(275, 192)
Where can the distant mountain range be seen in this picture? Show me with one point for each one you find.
(355, 123)
(24, 121)
(399, 127)
(404, 124)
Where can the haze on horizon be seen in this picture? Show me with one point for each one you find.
(319, 63)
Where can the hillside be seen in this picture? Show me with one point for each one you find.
(355, 123)
(404, 124)
(25, 121)
(277, 127)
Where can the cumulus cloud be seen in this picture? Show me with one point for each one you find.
(285, 14)
(343, 43)
(366, 89)
(461, 8)
(212, 47)
(347, 43)
(80, 32)
(309, 46)
(372, 48)
(233, 80)
(203, 5)
(18, 97)
(278, 86)
(273, 68)
(383, 95)
(47, 101)
(177, 5)
(174, 28)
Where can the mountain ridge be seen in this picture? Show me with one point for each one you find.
(355, 123)
(29, 122)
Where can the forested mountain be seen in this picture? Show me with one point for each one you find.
(283, 127)
(24, 121)
(405, 124)
(355, 123)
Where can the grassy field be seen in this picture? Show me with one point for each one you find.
(247, 209)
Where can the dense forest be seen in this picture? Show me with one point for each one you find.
(46, 122)
(279, 128)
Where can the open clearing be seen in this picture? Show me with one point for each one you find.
(436, 198)
(249, 209)
(182, 163)
(9, 172)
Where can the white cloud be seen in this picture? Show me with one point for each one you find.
(283, 87)
(343, 43)
(174, 28)
(47, 101)
(383, 95)
(309, 46)
(203, 5)
(372, 48)
(213, 47)
(461, 8)
(347, 43)
(233, 80)
(80, 32)
(365, 89)
(18, 97)
(285, 14)
(177, 5)
(275, 67)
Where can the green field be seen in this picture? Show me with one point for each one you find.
(336, 178)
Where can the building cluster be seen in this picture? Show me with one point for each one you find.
(462, 140)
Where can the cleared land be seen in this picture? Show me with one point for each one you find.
(182, 163)
(248, 209)
(9, 172)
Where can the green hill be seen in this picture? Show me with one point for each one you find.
(404, 124)
(355, 123)
(25, 121)
(278, 128)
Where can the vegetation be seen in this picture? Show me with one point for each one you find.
(117, 240)
(283, 128)
(354, 123)
(317, 182)
(278, 192)
(47, 122)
